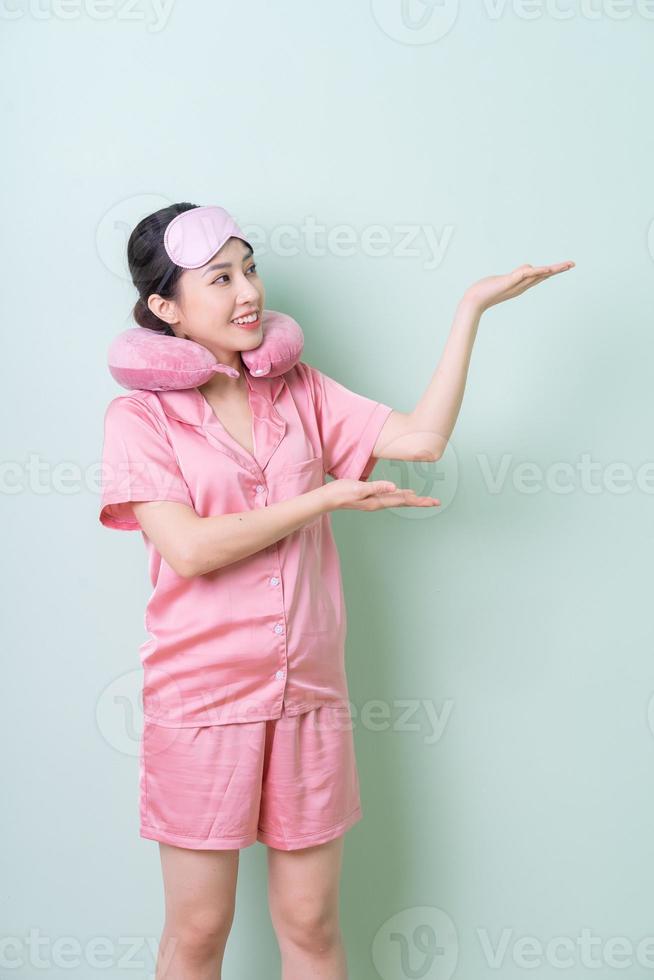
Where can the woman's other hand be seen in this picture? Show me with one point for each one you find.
(372, 495)
(496, 289)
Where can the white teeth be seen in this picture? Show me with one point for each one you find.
(246, 319)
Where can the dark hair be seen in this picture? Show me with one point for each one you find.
(150, 267)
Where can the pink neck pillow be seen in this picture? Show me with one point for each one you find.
(145, 359)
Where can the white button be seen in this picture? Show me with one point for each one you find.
(260, 488)
(279, 675)
(279, 628)
(274, 581)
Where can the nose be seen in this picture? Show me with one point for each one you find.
(248, 299)
(248, 292)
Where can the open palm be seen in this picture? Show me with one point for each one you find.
(496, 289)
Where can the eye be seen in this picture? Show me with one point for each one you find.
(251, 268)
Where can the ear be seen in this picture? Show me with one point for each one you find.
(162, 308)
(143, 359)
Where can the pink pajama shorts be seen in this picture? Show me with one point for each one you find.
(289, 782)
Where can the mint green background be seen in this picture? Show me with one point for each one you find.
(526, 616)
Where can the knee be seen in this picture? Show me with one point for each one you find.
(201, 932)
(309, 927)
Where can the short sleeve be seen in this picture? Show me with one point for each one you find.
(349, 426)
(138, 463)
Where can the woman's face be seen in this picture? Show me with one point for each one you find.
(212, 297)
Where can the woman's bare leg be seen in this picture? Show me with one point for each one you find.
(303, 894)
(200, 898)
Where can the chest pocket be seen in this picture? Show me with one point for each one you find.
(302, 477)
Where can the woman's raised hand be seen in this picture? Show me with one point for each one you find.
(496, 289)
(372, 495)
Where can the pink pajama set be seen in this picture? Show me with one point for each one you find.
(247, 727)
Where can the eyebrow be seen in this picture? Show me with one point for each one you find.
(227, 265)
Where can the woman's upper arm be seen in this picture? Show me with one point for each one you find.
(349, 424)
(172, 528)
(138, 463)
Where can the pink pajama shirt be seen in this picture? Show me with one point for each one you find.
(254, 646)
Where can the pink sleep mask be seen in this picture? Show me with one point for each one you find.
(140, 358)
(193, 236)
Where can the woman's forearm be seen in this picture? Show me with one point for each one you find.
(434, 417)
(217, 541)
(437, 410)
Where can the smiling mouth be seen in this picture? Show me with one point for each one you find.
(248, 325)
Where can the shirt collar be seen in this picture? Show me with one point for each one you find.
(188, 404)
